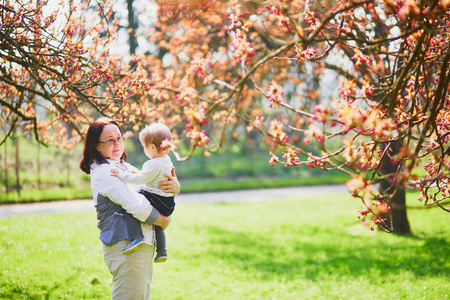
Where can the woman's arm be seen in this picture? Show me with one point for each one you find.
(171, 185)
(133, 202)
(136, 204)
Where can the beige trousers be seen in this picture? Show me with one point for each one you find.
(132, 274)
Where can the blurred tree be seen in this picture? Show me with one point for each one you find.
(361, 78)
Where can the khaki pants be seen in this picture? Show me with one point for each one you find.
(132, 274)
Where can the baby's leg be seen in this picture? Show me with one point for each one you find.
(161, 252)
(135, 234)
(133, 227)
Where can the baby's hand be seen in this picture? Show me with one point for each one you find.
(114, 172)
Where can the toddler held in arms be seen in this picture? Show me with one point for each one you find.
(153, 170)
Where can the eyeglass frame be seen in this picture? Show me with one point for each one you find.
(112, 141)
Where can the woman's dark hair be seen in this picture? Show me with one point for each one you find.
(90, 153)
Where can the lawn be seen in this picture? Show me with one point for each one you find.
(292, 248)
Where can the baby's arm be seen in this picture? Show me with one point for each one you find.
(141, 177)
(115, 172)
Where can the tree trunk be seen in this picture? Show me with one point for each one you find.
(132, 27)
(67, 166)
(38, 165)
(397, 219)
(6, 168)
(17, 167)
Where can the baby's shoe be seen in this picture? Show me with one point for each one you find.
(132, 246)
(161, 256)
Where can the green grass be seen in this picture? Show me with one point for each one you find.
(38, 195)
(292, 248)
(187, 186)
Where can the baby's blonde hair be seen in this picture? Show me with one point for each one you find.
(155, 134)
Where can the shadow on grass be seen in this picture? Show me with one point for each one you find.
(334, 253)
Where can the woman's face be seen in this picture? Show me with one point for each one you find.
(110, 143)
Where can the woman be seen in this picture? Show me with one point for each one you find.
(103, 151)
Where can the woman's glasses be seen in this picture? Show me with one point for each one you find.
(111, 142)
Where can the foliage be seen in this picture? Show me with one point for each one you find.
(312, 251)
(218, 67)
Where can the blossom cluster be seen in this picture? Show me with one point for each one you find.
(322, 113)
(367, 88)
(402, 8)
(311, 19)
(236, 15)
(168, 145)
(198, 137)
(367, 122)
(187, 96)
(360, 59)
(276, 132)
(282, 18)
(314, 132)
(291, 157)
(348, 90)
(243, 50)
(274, 95)
(199, 66)
(305, 55)
(257, 123)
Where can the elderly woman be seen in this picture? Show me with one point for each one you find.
(113, 198)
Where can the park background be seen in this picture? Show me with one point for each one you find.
(297, 247)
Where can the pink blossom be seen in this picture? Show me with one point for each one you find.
(310, 17)
(242, 48)
(360, 59)
(304, 55)
(168, 145)
(277, 133)
(316, 133)
(198, 138)
(291, 157)
(274, 95)
(409, 7)
(273, 159)
(198, 67)
(348, 89)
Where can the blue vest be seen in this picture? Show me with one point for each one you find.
(111, 221)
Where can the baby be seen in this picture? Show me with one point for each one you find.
(153, 170)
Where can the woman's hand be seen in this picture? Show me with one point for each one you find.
(171, 185)
(163, 221)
